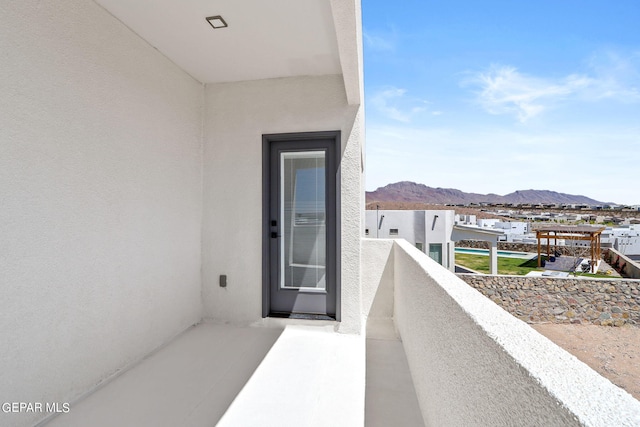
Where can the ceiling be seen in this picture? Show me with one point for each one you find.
(264, 38)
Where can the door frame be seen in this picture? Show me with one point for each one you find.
(267, 140)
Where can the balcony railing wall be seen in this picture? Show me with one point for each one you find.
(473, 363)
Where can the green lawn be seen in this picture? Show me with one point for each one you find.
(514, 266)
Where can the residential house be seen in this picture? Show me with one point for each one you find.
(428, 230)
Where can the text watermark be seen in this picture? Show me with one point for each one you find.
(38, 407)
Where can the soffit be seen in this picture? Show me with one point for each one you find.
(264, 38)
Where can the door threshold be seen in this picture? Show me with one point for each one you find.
(304, 316)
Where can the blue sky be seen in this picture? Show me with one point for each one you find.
(497, 96)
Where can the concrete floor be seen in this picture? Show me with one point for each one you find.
(190, 382)
(284, 375)
(563, 263)
(390, 395)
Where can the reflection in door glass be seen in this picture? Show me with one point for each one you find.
(435, 252)
(302, 215)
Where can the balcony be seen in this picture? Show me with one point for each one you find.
(435, 353)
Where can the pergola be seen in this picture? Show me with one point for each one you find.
(571, 232)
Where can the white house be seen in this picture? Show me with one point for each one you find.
(486, 222)
(182, 237)
(428, 230)
(513, 230)
(465, 219)
(625, 239)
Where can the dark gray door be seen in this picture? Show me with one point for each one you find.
(301, 225)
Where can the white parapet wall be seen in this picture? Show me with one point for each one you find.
(377, 283)
(472, 363)
(630, 268)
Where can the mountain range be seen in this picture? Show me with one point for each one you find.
(407, 191)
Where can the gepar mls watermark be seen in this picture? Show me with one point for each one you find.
(37, 407)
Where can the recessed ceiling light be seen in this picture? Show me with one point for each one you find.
(216, 22)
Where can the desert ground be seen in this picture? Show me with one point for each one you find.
(614, 352)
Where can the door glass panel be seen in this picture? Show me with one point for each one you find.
(435, 252)
(303, 218)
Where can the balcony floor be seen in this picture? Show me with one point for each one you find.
(228, 376)
(390, 395)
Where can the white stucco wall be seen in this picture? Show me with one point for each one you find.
(409, 224)
(237, 115)
(472, 363)
(377, 278)
(100, 195)
(438, 230)
(415, 226)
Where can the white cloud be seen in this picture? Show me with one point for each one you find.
(617, 76)
(505, 90)
(393, 104)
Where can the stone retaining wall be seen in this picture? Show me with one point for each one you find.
(558, 300)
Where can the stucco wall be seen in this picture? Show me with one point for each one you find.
(472, 363)
(438, 230)
(377, 279)
(100, 194)
(237, 115)
(422, 227)
(408, 224)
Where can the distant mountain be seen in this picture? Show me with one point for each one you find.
(407, 191)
